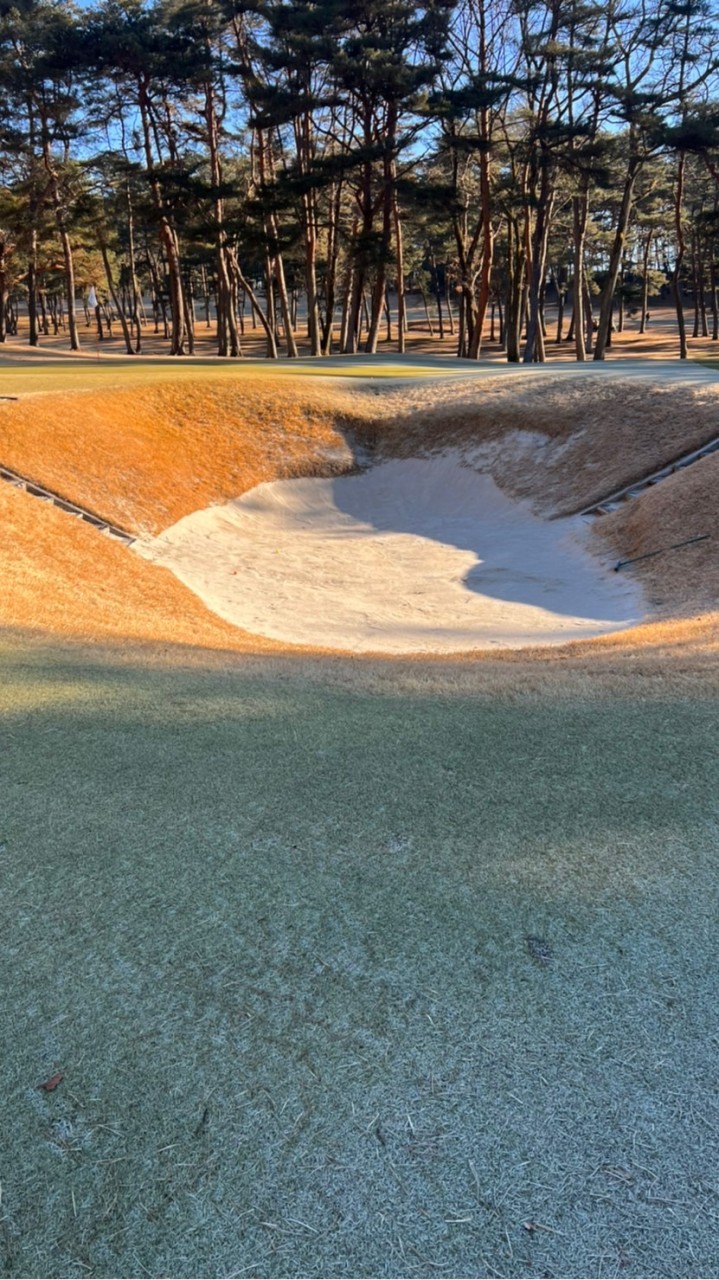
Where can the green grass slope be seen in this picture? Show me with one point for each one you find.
(345, 979)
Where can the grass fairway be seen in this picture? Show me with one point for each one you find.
(39, 373)
(24, 371)
(357, 969)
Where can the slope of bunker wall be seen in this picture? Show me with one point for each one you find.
(681, 580)
(142, 457)
(560, 445)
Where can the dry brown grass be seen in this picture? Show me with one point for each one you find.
(682, 506)
(615, 432)
(146, 457)
(62, 577)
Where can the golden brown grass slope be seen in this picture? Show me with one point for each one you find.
(145, 457)
(61, 577)
(683, 506)
(612, 432)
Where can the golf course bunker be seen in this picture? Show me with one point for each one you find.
(418, 555)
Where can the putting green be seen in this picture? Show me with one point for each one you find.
(47, 374)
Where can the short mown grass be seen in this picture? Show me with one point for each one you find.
(31, 373)
(345, 978)
(350, 968)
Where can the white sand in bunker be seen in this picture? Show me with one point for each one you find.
(413, 555)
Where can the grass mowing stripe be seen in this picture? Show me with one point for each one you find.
(345, 983)
(48, 375)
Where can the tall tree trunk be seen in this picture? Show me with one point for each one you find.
(466, 252)
(304, 148)
(448, 304)
(228, 337)
(440, 313)
(485, 275)
(136, 295)
(676, 280)
(515, 292)
(426, 312)
(285, 307)
(354, 311)
(127, 335)
(359, 247)
(60, 220)
(534, 344)
(168, 237)
(270, 304)
(377, 306)
(615, 259)
(580, 211)
(333, 246)
(255, 304)
(3, 294)
(485, 196)
(588, 315)
(34, 337)
(645, 280)
(273, 245)
(70, 288)
(44, 318)
(388, 204)
(462, 328)
(347, 302)
(399, 266)
(189, 304)
(701, 292)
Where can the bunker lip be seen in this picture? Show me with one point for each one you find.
(414, 555)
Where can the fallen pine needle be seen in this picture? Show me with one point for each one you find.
(49, 1086)
(530, 1226)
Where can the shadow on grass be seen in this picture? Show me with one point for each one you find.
(352, 984)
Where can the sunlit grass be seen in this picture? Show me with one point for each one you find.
(18, 377)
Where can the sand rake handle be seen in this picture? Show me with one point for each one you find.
(701, 537)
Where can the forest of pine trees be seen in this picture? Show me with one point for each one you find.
(303, 167)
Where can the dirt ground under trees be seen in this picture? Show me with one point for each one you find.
(660, 340)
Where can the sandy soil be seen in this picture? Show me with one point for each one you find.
(412, 555)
